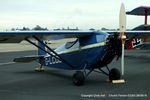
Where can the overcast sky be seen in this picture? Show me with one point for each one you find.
(84, 14)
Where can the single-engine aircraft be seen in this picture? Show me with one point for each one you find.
(91, 51)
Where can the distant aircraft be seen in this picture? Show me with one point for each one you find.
(91, 51)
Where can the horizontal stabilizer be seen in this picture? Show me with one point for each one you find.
(27, 58)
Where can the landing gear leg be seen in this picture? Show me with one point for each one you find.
(40, 69)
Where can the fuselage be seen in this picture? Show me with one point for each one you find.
(89, 52)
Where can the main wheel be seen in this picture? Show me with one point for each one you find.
(114, 74)
(78, 78)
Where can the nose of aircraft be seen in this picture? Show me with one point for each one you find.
(113, 45)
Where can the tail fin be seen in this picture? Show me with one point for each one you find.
(41, 52)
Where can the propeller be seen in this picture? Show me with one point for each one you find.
(122, 24)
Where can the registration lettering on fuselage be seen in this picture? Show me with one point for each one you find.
(52, 60)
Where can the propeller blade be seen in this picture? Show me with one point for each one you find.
(122, 24)
(122, 18)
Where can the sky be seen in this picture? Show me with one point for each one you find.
(84, 14)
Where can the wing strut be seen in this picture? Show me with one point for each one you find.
(57, 56)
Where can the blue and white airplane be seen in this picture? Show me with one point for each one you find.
(90, 51)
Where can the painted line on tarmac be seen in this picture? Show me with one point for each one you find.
(7, 63)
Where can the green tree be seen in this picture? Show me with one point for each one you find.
(39, 28)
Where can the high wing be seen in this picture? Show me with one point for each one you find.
(18, 36)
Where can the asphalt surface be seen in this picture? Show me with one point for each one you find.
(19, 81)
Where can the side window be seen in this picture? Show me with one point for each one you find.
(70, 44)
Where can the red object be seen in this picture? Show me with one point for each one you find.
(144, 40)
(146, 13)
(141, 11)
(133, 43)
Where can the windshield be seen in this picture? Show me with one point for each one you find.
(70, 44)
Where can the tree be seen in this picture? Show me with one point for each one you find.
(39, 28)
(91, 29)
(13, 29)
(104, 29)
(25, 29)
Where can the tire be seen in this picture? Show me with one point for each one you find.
(78, 78)
(114, 74)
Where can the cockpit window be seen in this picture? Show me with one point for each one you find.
(70, 44)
